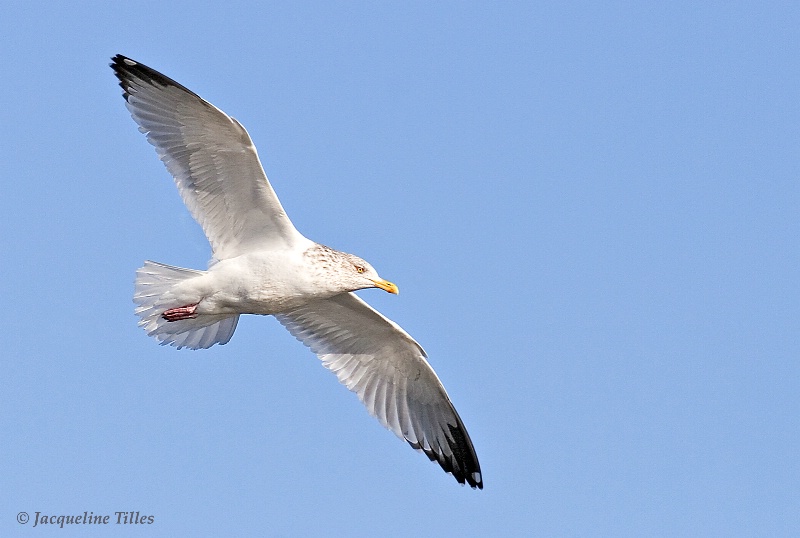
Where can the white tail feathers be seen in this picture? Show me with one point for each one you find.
(153, 295)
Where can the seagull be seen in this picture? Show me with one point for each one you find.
(262, 265)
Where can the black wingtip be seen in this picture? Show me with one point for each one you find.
(463, 464)
(465, 458)
(132, 74)
(121, 66)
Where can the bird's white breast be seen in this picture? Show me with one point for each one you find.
(257, 283)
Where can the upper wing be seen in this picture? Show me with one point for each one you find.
(212, 158)
(381, 363)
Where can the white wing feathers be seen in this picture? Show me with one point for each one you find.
(213, 161)
(380, 362)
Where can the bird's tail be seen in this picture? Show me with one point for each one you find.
(153, 295)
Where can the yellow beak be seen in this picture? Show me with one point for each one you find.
(386, 286)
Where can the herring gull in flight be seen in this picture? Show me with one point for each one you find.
(261, 264)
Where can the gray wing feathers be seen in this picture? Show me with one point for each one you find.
(373, 357)
(211, 157)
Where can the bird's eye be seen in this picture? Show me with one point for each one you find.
(360, 269)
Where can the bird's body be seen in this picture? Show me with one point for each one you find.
(262, 265)
(261, 282)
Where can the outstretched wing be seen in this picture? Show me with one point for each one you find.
(380, 362)
(213, 160)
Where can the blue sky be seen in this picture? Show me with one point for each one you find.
(591, 210)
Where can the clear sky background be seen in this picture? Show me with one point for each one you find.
(591, 210)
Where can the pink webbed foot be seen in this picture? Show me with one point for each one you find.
(183, 312)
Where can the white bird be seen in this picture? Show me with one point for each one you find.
(261, 264)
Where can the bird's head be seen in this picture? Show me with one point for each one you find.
(363, 275)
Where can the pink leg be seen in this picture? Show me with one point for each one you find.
(183, 312)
